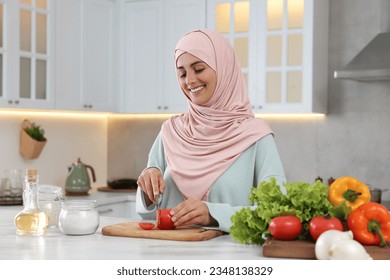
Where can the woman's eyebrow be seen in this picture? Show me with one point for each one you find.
(192, 64)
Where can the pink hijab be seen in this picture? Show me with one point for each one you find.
(202, 143)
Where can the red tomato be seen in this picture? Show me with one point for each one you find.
(285, 227)
(320, 224)
(163, 218)
(146, 226)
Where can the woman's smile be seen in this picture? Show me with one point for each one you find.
(196, 90)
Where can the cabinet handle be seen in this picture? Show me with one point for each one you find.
(10, 102)
(159, 107)
(165, 107)
(16, 101)
(260, 107)
(109, 210)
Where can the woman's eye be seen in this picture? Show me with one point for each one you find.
(199, 70)
(182, 75)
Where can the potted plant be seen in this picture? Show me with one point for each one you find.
(32, 140)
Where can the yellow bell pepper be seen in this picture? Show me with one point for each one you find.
(350, 190)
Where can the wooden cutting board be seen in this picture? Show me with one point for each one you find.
(110, 189)
(303, 249)
(131, 229)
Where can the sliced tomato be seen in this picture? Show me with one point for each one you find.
(146, 226)
(163, 218)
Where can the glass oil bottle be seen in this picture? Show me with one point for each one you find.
(31, 220)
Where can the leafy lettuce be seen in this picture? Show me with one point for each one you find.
(304, 200)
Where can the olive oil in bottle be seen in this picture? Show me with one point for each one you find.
(31, 221)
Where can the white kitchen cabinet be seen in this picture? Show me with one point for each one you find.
(151, 31)
(282, 46)
(124, 209)
(26, 52)
(87, 53)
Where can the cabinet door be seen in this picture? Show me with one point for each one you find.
(144, 69)
(180, 18)
(287, 69)
(100, 56)
(69, 54)
(28, 59)
(86, 69)
(3, 51)
(282, 69)
(152, 29)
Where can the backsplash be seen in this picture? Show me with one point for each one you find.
(68, 138)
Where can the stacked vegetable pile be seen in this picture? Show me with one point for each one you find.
(306, 211)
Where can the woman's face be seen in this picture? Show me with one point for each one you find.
(196, 78)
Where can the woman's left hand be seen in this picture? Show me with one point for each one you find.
(192, 212)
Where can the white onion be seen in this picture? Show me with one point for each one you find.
(327, 239)
(339, 245)
(348, 250)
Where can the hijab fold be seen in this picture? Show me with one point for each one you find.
(201, 144)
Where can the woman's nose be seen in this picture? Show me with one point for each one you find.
(190, 78)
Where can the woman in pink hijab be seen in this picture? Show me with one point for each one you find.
(205, 161)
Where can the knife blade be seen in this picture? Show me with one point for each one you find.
(157, 199)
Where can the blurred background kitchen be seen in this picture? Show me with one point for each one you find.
(91, 88)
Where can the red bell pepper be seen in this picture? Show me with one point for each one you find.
(370, 224)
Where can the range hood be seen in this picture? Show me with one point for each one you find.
(370, 64)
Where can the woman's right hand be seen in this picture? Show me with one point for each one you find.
(152, 183)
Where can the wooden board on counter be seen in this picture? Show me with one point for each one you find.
(131, 229)
(303, 249)
(110, 189)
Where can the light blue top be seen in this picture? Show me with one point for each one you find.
(231, 190)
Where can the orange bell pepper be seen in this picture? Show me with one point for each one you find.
(350, 190)
(370, 224)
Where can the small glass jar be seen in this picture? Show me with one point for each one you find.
(49, 201)
(79, 217)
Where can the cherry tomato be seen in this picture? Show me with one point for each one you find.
(285, 227)
(146, 226)
(164, 219)
(319, 224)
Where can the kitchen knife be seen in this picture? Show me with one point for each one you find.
(157, 199)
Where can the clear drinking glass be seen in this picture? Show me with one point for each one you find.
(16, 181)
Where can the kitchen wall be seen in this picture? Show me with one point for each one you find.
(69, 137)
(352, 139)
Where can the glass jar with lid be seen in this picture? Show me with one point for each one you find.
(49, 201)
(79, 217)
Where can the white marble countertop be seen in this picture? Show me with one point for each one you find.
(54, 245)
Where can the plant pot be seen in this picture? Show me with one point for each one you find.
(29, 148)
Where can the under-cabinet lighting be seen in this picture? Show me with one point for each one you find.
(41, 113)
(73, 114)
(264, 116)
(308, 116)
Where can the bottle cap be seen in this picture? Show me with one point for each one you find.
(32, 175)
(32, 172)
